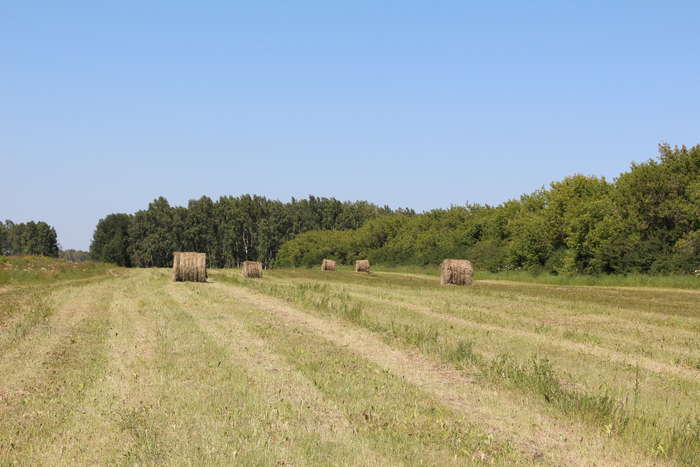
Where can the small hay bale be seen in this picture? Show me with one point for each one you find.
(328, 265)
(189, 266)
(251, 269)
(456, 272)
(362, 265)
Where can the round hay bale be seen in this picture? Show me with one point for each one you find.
(456, 272)
(189, 266)
(328, 265)
(252, 269)
(362, 265)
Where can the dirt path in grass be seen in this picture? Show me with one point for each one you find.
(512, 416)
(549, 340)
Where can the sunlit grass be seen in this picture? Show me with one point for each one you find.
(676, 435)
(676, 281)
(27, 270)
(133, 368)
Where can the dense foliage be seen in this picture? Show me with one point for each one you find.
(230, 230)
(30, 238)
(647, 220)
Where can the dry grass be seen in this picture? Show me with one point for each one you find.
(309, 368)
(327, 265)
(599, 374)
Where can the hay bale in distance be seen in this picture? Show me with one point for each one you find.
(251, 269)
(456, 272)
(362, 265)
(189, 266)
(328, 265)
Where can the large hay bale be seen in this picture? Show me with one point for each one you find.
(251, 269)
(189, 266)
(362, 265)
(456, 272)
(328, 265)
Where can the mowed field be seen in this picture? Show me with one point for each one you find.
(340, 368)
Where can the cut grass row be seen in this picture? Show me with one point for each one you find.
(617, 339)
(618, 414)
(668, 334)
(527, 424)
(672, 281)
(392, 417)
(48, 371)
(142, 371)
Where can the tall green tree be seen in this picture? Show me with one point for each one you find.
(154, 234)
(110, 241)
(30, 238)
(4, 240)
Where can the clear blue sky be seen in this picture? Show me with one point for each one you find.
(405, 103)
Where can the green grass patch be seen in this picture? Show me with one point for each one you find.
(35, 270)
(432, 272)
(31, 306)
(674, 281)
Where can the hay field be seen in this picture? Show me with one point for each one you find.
(316, 368)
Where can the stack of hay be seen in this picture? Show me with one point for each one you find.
(328, 265)
(251, 269)
(456, 272)
(189, 266)
(362, 265)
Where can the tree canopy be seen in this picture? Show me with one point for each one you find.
(230, 230)
(30, 238)
(647, 220)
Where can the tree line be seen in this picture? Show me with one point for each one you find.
(647, 220)
(74, 256)
(230, 230)
(28, 238)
